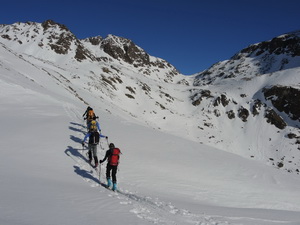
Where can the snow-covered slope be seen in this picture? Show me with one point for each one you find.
(256, 92)
(191, 154)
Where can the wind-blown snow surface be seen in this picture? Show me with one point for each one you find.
(163, 179)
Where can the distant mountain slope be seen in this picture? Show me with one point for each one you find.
(278, 54)
(247, 105)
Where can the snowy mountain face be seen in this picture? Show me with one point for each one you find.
(259, 83)
(246, 105)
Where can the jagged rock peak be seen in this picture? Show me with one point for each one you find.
(128, 51)
(288, 43)
(50, 24)
(40, 38)
(125, 49)
(116, 40)
(93, 40)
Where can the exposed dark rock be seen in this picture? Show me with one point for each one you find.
(146, 88)
(256, 107)
(197, 102)
(280, 164)
(183, 81)
(292, 135)
(129, 96)
(130, 89)
(80, 53)
(161, 106)
(217, 113)
(108, 82)
(243, 114)
(50, 23)
(197, 97)
(221, 99)
(95, 40)
(230, 114)
(275, 119)
(284, 99)
(6, 36)
(125, 49)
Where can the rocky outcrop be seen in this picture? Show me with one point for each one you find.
(288, 44)
(275, 119)
(124, 49)
(284, 99)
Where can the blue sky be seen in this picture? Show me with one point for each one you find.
(190, 34)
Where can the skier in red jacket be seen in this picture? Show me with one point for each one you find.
(113, 155)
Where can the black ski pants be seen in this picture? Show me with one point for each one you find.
(113, 171)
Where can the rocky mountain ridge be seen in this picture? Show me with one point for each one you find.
(278, 54)
(52, 37)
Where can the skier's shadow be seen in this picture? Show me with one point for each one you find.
(76, 129)
(80, 128)
(75, 153)
(76, 139)
(77, 124)
(85, 174)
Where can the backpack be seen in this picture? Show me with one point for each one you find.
(93, 126)
(94, 138)
(114, 158)
(90, 114)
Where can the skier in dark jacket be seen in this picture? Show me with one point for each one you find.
(112, 156)
(92, 144)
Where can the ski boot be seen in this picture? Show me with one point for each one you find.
(96, 161)
(108, 182)
(114, 188)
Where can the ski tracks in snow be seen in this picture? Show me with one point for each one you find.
(150, 210)
(162, 213)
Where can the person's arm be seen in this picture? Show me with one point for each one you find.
(106, 156)
(102, 136)
(98, 126)
(85, 137)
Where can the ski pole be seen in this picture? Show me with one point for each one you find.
(107, 142)
(99, 173)
(100, 141)
(82, 148)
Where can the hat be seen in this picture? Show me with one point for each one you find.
(111, 145)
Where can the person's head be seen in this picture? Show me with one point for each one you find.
(111, 146)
